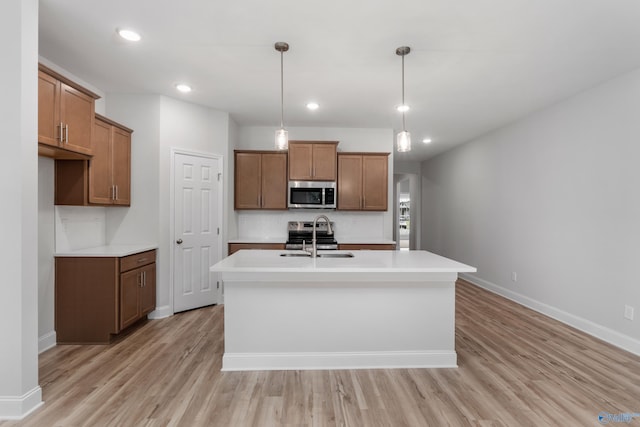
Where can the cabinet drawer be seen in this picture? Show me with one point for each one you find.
(137, 260)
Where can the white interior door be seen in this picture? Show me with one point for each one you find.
(197, 222)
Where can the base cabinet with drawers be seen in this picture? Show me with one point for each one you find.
(98, 297)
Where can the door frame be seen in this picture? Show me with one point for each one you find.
(172, 199)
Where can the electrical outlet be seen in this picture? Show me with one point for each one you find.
(628, 312)
(514, 276)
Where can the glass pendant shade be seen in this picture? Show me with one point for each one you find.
(403, 141)
(282, 139)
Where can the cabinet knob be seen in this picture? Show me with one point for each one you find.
(179, 241)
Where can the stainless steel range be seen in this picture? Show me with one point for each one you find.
(302, 231)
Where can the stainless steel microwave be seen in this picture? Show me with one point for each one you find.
(312, 195)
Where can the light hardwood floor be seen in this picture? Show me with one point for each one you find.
(516, 368)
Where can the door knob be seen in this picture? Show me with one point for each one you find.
(179, 241)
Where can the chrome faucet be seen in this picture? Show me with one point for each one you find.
(314, 243)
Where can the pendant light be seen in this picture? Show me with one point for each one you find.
(282, 136)
(403, 139)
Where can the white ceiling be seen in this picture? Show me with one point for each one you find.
(475, 65)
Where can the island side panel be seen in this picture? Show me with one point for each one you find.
(339, 325)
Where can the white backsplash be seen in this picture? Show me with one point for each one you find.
(79, 227)
(348, 225)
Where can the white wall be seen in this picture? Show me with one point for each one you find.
(46, 248)
(19, 390)
(555, 199)
(349, 225)
(194, 128)
(139, 223)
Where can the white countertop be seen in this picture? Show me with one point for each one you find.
(107, 251)
(270, 261)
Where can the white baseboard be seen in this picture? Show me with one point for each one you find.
(160, 312)
(18, 407)
(335, 360)
(46, 342)
(608, 335)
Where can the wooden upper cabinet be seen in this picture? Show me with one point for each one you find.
(105, 179)
(349, 182)
(312, 161)
(48, 110)
(374, 182)
(77, 114)
(100, 190)
(260, 180)
(121, 165)
(65, 116)
(110, 167)
(363, 181)
(248, 180)
(274, 181)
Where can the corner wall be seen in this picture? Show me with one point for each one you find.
(19, 389)
(553, 198)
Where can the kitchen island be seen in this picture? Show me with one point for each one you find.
(378, 309)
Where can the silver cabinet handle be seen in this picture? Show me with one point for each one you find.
(60, 136)
(144, 279)
(66, 134)
(179, 241)
(141, 260)
(116, 192)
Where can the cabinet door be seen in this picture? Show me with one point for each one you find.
(130, 284)
(324, 162)
(374, 183)
(300, 161)
(77, 114)
(48, 117)
(274, 181)
(100, 184)
(121, 166)
(148, 290)
(247, 181)
(349, 182)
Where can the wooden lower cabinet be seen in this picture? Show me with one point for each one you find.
(98, 297)
(137, 294)
(367, 246)
(235, 247)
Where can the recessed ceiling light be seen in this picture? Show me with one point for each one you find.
(313, 106)
(427, 140)
(184, 88)
(402, 108)
(129, 35)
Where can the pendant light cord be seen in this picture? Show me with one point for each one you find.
(281, 90)
(403, 104)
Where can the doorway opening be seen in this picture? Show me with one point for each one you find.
(404, 215)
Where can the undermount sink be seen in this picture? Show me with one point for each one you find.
(300, 254)
(336, 255)
(320, 255)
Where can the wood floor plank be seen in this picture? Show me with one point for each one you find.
(516, 368)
